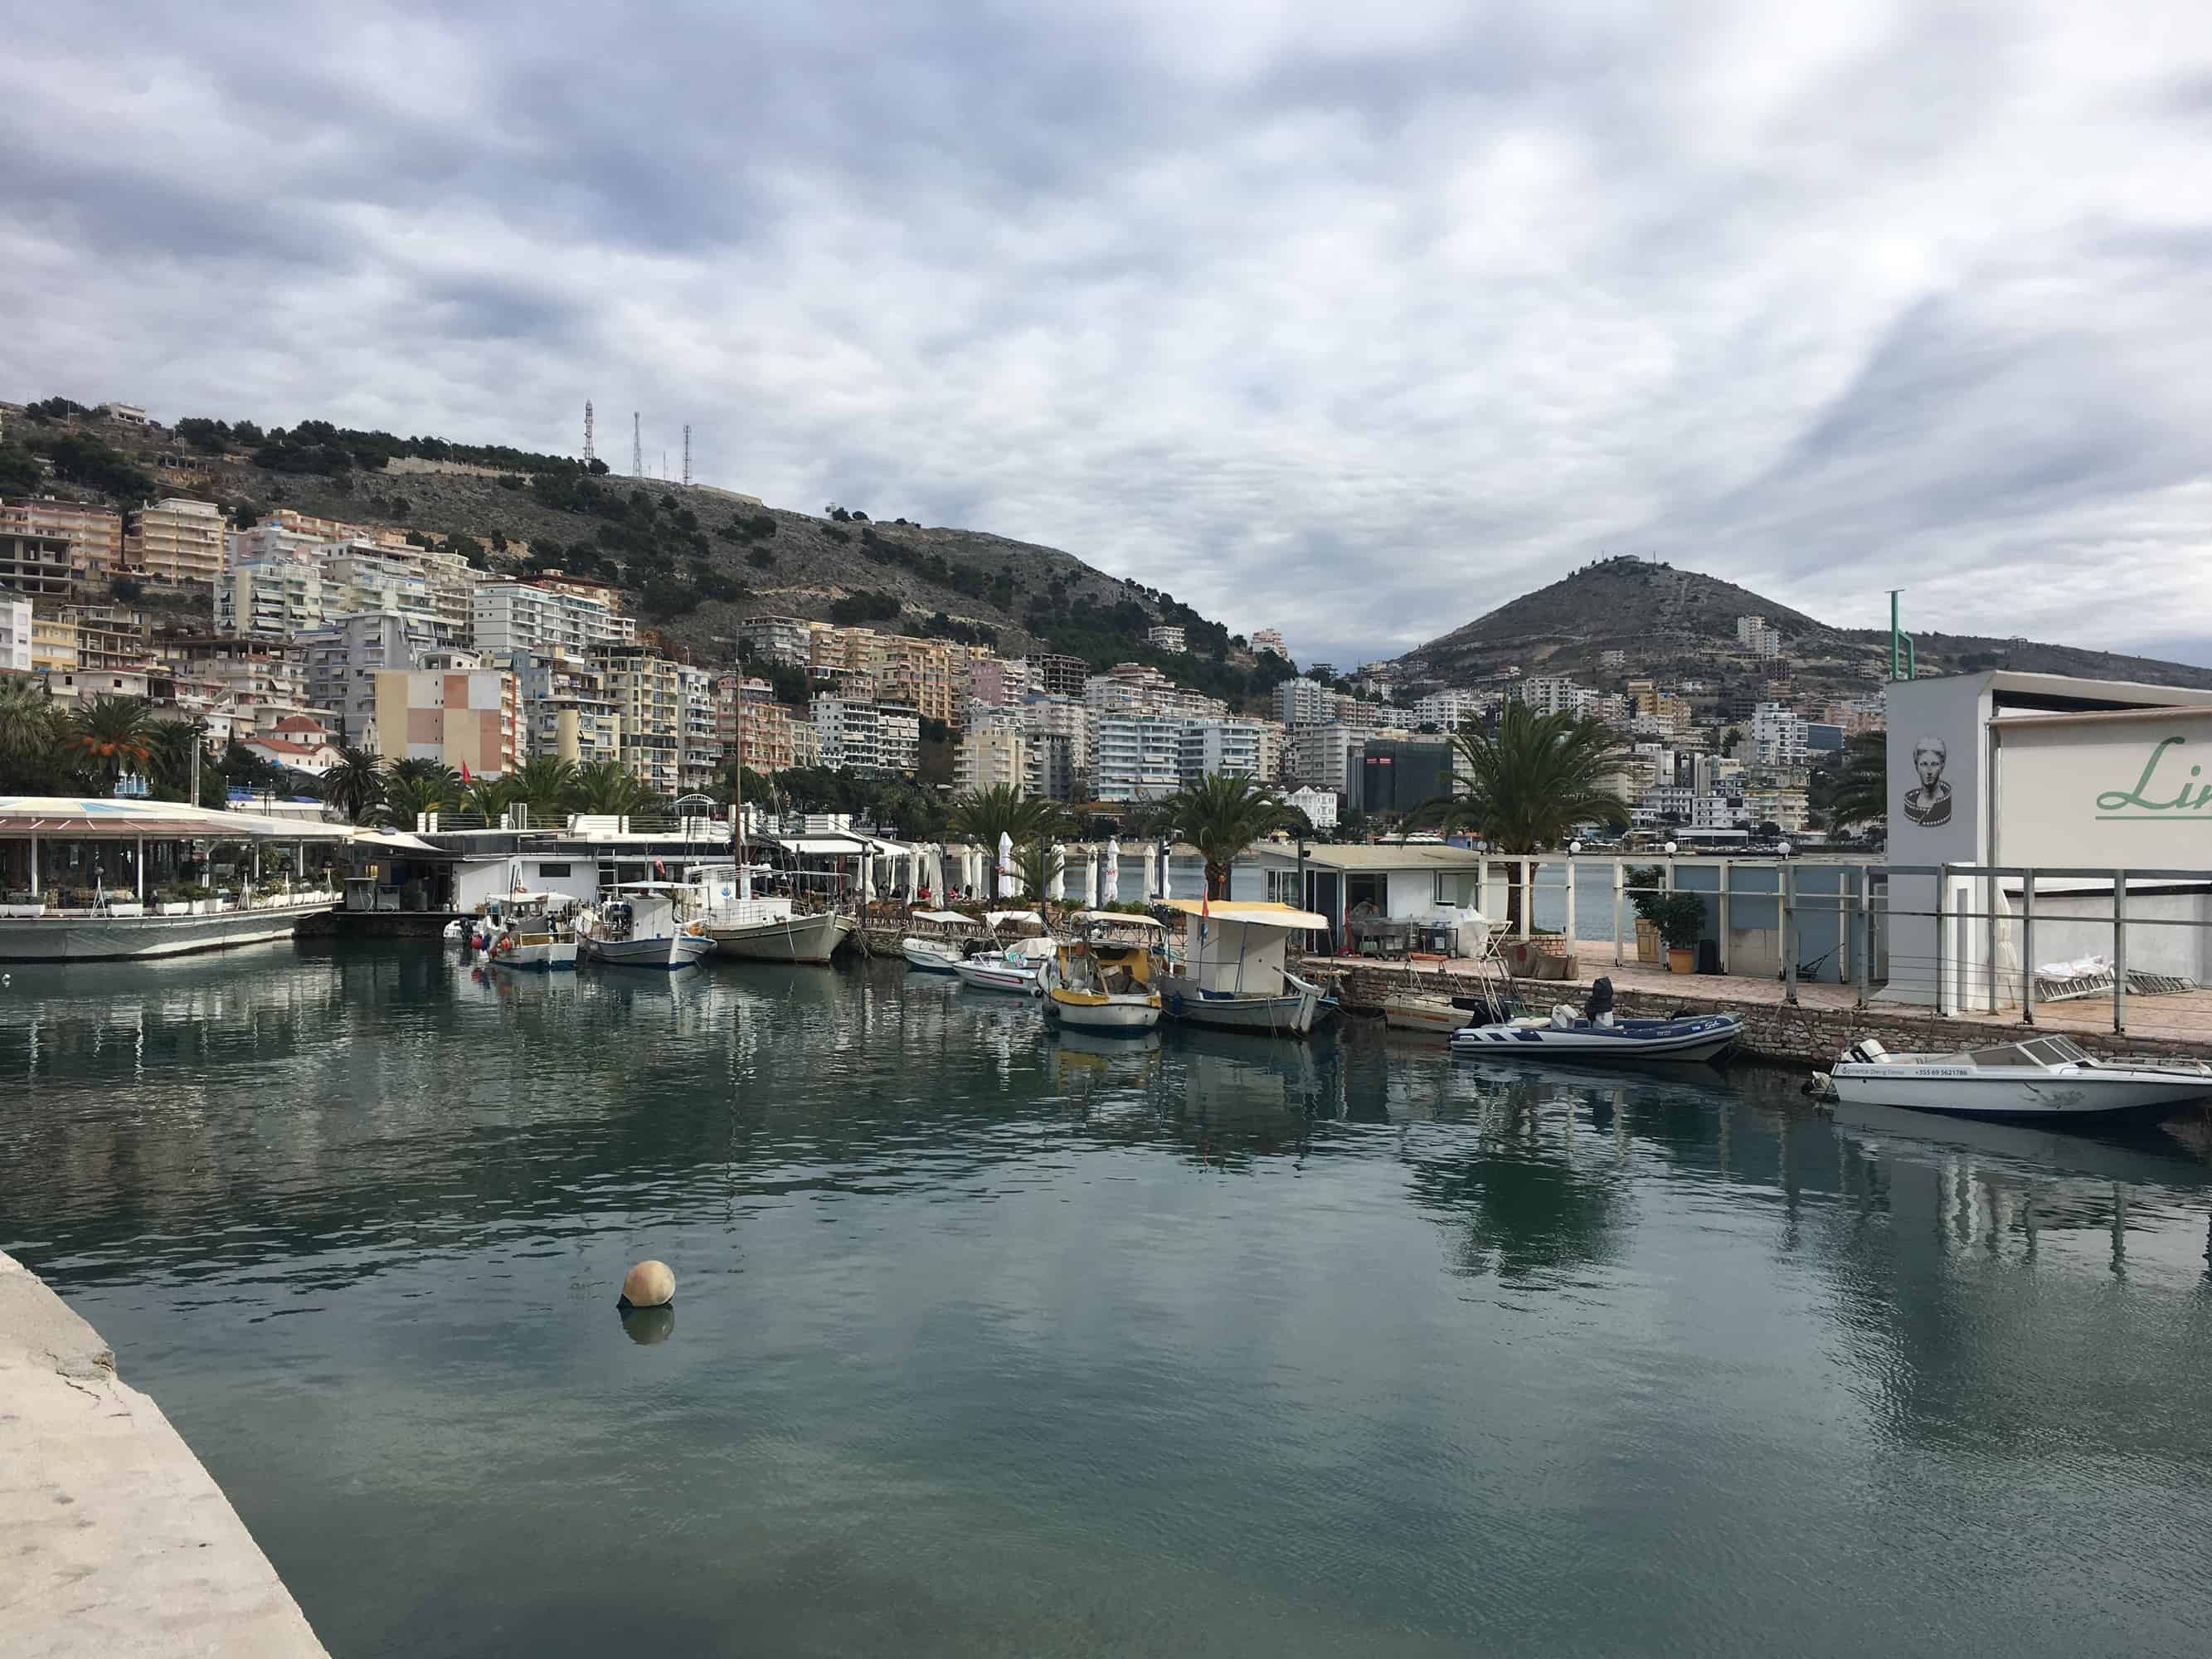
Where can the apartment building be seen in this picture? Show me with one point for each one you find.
(995, 682)
(1549, 694)
(1270, 639)
(176, 540)
(565, 710)
(465, 718)
(343, 655)
(425, 583)
(1759, 636)
(992, 757)
(1779, 735)
(647, 693)
(272, 538)
(1049, 768)
(929, 676)
(14, 635)
(1320, 756)
(94, 534)
(261, 683)
(702, 756)
(751, 723)
(1066, 719)
(866, 736)
(33, 564)
(786, 640)
(544, 619)
(1165, 636)
(1318, 805)
(53, 644)
(1448, 710)
(110, 636)
(272, 598)
(1304, 702)
(1132, 687)
(1212, 747)
(1056, 675)
(1138, 756)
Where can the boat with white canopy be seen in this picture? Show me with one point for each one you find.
(953, 938)
(1233, 972)
(643, 924)
(1104, 980)
(532, 932)
(2040, 1076)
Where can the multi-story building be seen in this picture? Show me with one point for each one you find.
(544, 619)
(1063, 717)
(1056, 675)
(53, 644)
(647, 693)
(785, 640)
(1548, 695)
(176, 540)
(1274, 740)
(465, 718)
(1783, 807)
(14, 635)
(1214, 746)
(993, 755)
(1049, 768)
(1779, 735)
(929, 676)
(1320, 756)
(1759, 636)
(94, 534)
(110, 636)
(1613, 659)
(1450, 709)
(565, 710)
(862, 735)
(34, 563)
(273, 539)
(1318, 805)
(702, 755)
(995, 682)
(1165, 636)
(261, 683)
(435, 585)
(1270, 639)
(272, 598)
(1303, 702)
(343, 658)
(751, 723)
(1137, 757)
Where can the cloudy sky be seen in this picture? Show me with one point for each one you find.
(1356, 321)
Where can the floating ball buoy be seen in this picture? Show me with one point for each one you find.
(648, 1285)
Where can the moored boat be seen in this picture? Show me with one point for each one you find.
(956, 937)
(1596, 1033)
(531, 934)
(2041, 1077)
(642, 925)
(1102, 981)
(1233, 972)
(1019, 967)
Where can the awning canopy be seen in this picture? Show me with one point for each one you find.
(1253, 913)
(1000, 918)
(823, 846)
(947, 917)
(1122, 917)
(398, 841)
(70, 818)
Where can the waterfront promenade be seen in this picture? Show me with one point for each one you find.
(117, 1542)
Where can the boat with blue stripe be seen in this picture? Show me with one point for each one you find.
(1596, 1033)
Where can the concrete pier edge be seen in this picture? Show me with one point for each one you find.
(116, 1541)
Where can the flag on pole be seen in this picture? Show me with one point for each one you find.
(464, 772)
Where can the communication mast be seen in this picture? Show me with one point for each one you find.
(590, 454)
(636, 448)
(687, 455)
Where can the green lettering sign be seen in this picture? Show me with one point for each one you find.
(2148, 797)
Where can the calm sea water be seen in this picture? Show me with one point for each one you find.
(988, 1343)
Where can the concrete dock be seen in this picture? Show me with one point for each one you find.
(116, 1540)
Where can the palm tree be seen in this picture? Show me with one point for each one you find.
(406, 798)
(1221, 815)
(356, 783)
(544, 785)
(424, 770)
(1525, 786)
(981, 816)
(112, 736)
(490, 797)
(170, 774)
(29, 731)
(1036, 865)
(607, 786)
(1860, 793)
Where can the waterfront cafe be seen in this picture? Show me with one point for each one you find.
(1382, 897)
(84, 879)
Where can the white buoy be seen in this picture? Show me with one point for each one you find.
(649, 1285)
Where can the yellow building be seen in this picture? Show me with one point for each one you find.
(177, 541)
(53, 644)
(95, 534)
(464, 718)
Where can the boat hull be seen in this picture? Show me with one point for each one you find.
(1125, 1015)
(808, 939)
(927, 957)
(555, 957)
(1956, 1092)
(1706, 1038)
(992, 973)
(116, 939)
(680, 951)
(1292, 1014)
(1436, 1018)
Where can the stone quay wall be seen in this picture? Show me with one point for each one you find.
(1789, 1034)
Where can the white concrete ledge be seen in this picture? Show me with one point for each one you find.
(115, 1542)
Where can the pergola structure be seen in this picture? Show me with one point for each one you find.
(55, 842)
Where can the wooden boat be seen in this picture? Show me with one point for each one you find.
(761, 929)
(2041, 1077)
(1233, 974)
(531, 934)
(1102, 980)
(643, 924)
(1440, 1016)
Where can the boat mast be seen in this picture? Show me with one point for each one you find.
(737, 795)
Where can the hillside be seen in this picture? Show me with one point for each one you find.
(1678, 624)
(695, 560)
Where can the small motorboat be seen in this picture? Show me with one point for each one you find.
(643, 924)
(2040, 1076)
(1103, 981)
(1019, 967)
(533, 935)
(1596, 1033)
(1441, 1016)
(957, 938)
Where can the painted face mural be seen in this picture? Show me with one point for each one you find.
(1929, 805)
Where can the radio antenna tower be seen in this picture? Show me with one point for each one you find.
(636, 448)
(590, 454)
(687, 455)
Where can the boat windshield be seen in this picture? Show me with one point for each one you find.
(2036, 1051)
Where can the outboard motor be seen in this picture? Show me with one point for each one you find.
(1600, 1000)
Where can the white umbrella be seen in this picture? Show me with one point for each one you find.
(1056, 881)
(1090, 878)
(1110, 880)
(1005, 864)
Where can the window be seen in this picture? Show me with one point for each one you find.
(1458, 888)
(553, 871)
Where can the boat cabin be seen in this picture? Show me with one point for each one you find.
(1241, 949)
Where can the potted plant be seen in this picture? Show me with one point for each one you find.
(1679, 917)
(1646, 885)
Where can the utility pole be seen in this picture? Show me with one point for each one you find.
(590, 453)
(687, 455)
(636, 448)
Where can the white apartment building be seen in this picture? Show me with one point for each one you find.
(1759, 636)
(702, 755)
(565, 711)
(14, 636)
(1549, 694)
(787, 639)
(1304, 702)
(1131, 688)
(1212, 747)
(543, 621)
(1063, 717)
(1777, 735)
(862, 735)
(993, 755)
(272, 597)
(1166, 636)
(261, 685)
(343, 658)
(1785, 809)
(1448, 710)
(176, 541)
(1138, 756)
(1319, 755)
(272, 539)
(1318, 805)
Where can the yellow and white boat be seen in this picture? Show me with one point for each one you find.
(1106, 979)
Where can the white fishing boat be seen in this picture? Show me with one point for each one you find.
(1233, 974)
(1102, 981)
(643, 924)
(532, 933)
(1596, 1033)
(1020, 968)
(761, 928)
(955, 939)
(2041, 1077)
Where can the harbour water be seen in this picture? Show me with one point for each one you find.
(989, 1343)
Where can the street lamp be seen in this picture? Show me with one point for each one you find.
(1781, 847)
(1670, 849)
